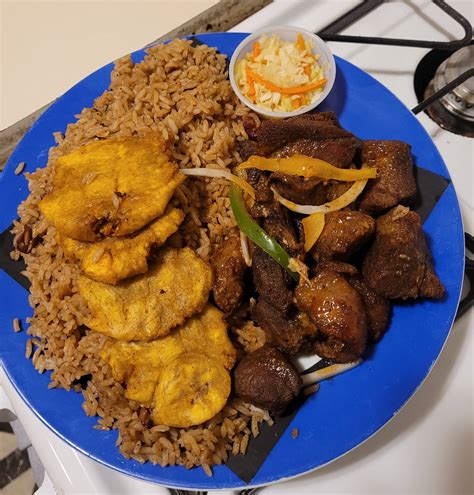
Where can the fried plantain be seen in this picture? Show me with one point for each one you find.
(139, 365)
(115, 258)
(192, 389)
(150, 305)
(199, 350)
(111, 187)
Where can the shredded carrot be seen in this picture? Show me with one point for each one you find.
(289, 91)
(296, 103)
(256, 50)
(307, 70)
(300, 44)
(250, 81)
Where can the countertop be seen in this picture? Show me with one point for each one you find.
(48, 46)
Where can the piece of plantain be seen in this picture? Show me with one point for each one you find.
(113, 259)
(148, 306)
(112, 187)
(192, 389)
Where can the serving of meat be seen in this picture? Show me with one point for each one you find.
(395, 182)
(398, 264)
(316, 135)
(337, 309)
(311, 191)
(270, 281)
(267, 379)
(344, 233)
(228, 267)
(289, 335)
(377, 309)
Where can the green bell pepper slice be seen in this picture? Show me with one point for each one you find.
(254, 232)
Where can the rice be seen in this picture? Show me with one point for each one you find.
(16, 325)
(20, 167)
(181, 92)
(250, 336)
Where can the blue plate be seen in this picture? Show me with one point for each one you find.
(346, 410)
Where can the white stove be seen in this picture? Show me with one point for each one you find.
(427, 447)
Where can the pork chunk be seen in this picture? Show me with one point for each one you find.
(337, 310)
(278, 225)
(377, 309)
(289, 335)
(398, 264)
(344, 233)
(267, 379)
(306, 191)
(395, 182)
(317, 135)
(270, 281)
(228, 267)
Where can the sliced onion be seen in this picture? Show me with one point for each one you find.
(337, 204)
(297, 266)
(311, 389)
(245, 249)
(220, 174)
(328, 372)
(313, 226)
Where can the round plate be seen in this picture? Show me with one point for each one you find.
(348, 409)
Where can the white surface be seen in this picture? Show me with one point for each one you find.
(312, 15)
(428, 446)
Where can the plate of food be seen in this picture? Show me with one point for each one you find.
(201, 297)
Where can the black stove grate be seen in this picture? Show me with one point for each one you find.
(329, 33)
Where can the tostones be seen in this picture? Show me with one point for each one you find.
(148, 306)
(184, 376)
(111, 187)
(115, 258)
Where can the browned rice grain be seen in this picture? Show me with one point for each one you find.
(16, 325)
(20, 167)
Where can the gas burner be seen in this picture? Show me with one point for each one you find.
(454, 111)
(461, 100)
